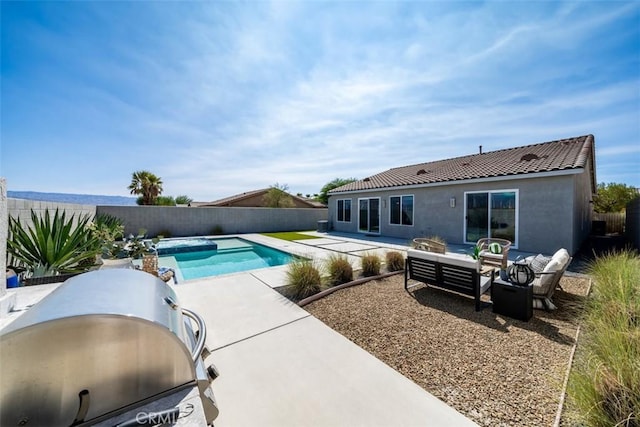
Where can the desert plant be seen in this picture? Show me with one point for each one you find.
(339, 269)
(475, 252)
(53, 246)
(216, 230)
(370, 265)
(303, 279)
(135, 246)
(164, 234)
(107, 229)
(395, 261)
(604, 386)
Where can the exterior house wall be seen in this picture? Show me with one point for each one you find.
(583, 206)
(546, 219)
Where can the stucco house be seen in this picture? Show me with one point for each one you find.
(537, 196)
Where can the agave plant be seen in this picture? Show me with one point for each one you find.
(52, 245)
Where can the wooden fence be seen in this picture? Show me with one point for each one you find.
(615, 221)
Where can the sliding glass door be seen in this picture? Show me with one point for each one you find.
(491, 214)
(369, 215)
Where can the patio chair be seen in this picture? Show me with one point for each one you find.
(494, 252)
(547, 280)
(429, 245)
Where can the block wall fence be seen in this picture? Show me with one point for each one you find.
(178, 221)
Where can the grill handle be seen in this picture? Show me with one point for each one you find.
(202, 333)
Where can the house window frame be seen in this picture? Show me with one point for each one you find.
(516, 242)
(413, 210)
(378, 214)
(343, 211)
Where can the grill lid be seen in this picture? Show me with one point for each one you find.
(102, 341)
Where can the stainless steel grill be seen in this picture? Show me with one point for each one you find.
(101, 344)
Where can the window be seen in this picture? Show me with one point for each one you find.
(344, 210)
(401, 210)
(491, 214)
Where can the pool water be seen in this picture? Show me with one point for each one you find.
(232, 255)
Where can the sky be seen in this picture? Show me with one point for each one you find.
(219, 98)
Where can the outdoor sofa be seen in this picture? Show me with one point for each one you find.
(454, 272)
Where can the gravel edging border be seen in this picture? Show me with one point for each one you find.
(331, 290)
(563, 394)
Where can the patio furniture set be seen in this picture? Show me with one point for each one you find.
(429, 263)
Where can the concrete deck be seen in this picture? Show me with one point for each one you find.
(280, 366)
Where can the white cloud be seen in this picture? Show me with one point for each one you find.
(222, 98)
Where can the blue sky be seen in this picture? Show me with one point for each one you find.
(218, 98)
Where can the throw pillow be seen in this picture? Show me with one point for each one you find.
(539, 262)
(495, 248)
(562, 255)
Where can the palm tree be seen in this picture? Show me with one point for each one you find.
(147, 185)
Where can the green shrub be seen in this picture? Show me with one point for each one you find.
(604, 386)
(340, 269)
(164, 234)
(303, 279)
(165, 201)
(395, 261)
(183, 200)
(216, 230)
(370, 265)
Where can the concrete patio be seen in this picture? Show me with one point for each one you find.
(280, 366)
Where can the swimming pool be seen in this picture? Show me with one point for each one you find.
(201, 257)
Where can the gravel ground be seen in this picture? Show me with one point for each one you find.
(496, 370)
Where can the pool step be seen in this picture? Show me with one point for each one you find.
(184, 249)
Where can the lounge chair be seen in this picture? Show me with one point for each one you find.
(494, 252)
(548, 274)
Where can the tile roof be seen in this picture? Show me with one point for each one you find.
(228, 201)
(236, 197)
(563, 154)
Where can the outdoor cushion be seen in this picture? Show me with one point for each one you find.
(458, 260)
(416, 253)
(538, 262)
(542, 283)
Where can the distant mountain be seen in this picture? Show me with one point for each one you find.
(80, 199)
